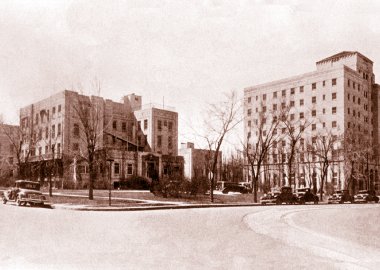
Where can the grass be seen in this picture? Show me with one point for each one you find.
(132, 198)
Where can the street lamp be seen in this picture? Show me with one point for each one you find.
(110, 179)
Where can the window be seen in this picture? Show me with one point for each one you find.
(159, 140)
(36, 118)
(123, 126)
(58, 148)
(353, 99)
(292, 116)
(40, 151)
(249, 112)
(333, 96)
(313, 127)
(249, 99)
(324, 97)
(333, 82)
(333, 110)
(264, 96)
(249, 123)
(301, 102)
(114, 125)
(359, 101)
(249, 134)
(292, 91)
(314, 113)
(129, 169)
(283, 130)
(257, 110)
(146, 124)
(313, 86)
(59, 129)
(313, 100)
(348, 124)
(53, 110)
(75, 146)
(354, 85)
(274, 94)
(264, 133)
(349, 83)
(159, 125)
(324, 111)
(283, 143)
(275, 131)
(116, 168)
(53, 131)
(59, 108)
(170, 126)
(275, 107)
(333, 124)
(292, 103)
(283, 93)
(324, 124)
(46, 132)
(301, 115)
(314, 140)
(359, 87)
(264, 108)
(170, 142)
(324, 83)
(301, 89)
(257, 97)
(348, 96)
(283, 105)
(40, 134)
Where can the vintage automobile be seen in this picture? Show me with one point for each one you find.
(304, 195)
(286, 196)
(235, 188)
(25, 192)
(270, 197)
(365, 196)
(340, 196)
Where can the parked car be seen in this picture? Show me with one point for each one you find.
(305, 195)
(365, 196)
(270, 197)
(286, 196)
(25, 192)
(340, 196)
(235, 188)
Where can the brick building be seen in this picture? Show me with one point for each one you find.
(340, 98)
(55, 136)
(8, 143)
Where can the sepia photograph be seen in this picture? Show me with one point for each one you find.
(175, 134)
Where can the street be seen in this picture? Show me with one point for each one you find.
(283, 237)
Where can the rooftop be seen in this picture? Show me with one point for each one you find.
(343, 54)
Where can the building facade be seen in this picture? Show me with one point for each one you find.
(197, 162)
(56, 131)
(9, 142)
(339, 99)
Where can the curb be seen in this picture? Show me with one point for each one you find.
(137, 208)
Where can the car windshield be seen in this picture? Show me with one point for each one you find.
(28, 185)
(363, 192)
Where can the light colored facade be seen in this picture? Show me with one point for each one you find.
(197, 162)
(54, 125)
(340, 96)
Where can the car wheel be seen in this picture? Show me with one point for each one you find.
(263, 203)
(4, 200)
(278, 202)
(18, 201)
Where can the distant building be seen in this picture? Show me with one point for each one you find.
(54, 133)
(198, 162)
(339, 96)
(8, 144)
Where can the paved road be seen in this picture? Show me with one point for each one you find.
(272, 237)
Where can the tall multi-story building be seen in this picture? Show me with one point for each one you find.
(54, 133)
(339, 98)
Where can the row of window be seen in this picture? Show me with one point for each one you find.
(59, 132)
(293, 90)
(168, 124)
(159, 141)
(123, 125)
(116, 168)
(57, 150)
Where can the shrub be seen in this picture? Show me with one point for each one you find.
(135, 182)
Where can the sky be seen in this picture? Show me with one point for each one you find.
(184, 54)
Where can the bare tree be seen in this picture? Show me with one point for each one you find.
(90, 114)
(220, 119)
(322, 147)
(258, 145)
(294, 130)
